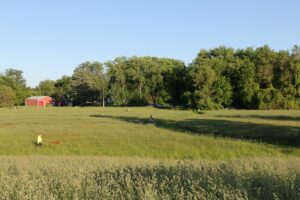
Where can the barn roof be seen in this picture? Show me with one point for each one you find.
(38, 97)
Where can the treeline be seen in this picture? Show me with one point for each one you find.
(218, 78)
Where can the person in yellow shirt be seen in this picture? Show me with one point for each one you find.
(39, 140)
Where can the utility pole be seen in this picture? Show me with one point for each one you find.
(103, 100)
(103, 88)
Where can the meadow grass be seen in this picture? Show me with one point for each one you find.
(86, 177)
(114, 153)
(123, 132)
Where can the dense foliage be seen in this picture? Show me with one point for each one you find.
(15, 87)
(142, 80)
(7, 96)
(222, 77)
(246, 78)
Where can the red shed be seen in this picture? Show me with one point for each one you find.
(38, 101)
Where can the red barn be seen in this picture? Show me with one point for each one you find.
(38, 101)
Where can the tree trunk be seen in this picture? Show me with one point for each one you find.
(140, 88)
(123, 90)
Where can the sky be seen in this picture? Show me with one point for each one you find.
(49, 39)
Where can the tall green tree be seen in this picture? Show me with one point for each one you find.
(117, 79)
(264, 62)
(62, 91)
(296, 52)
(174, 80)
(7, 96)
(222, 92)
(46, 87)
(16, 75)
(246, 88)
(203, 78)
(13, 78)
(88, 83)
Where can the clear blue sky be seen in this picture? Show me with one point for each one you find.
(47, 39)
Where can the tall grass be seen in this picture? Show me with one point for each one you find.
(136, 178)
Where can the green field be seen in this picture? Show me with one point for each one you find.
(175, 134)
(114, 153)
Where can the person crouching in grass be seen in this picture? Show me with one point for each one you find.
(39, 140)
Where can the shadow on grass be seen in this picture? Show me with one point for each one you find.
(273, 117)
(272, 134)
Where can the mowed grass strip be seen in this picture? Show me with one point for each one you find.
(125, 133)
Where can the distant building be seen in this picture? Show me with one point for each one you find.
(38, 101)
